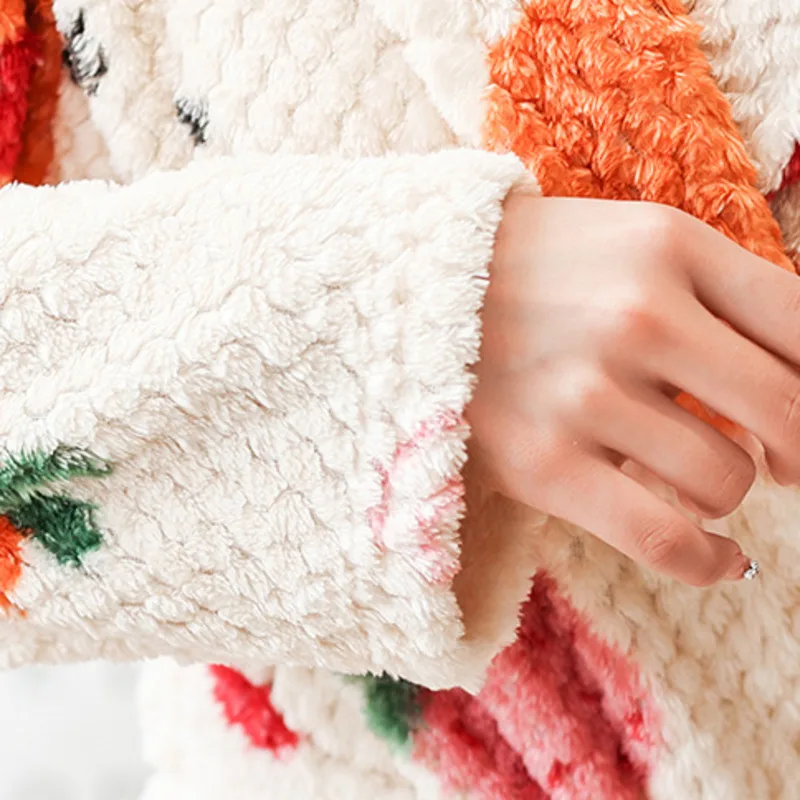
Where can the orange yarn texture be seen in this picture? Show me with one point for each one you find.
(615, 100)
(10, 560)
(12, 20)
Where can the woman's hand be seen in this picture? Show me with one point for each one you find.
(596, 315)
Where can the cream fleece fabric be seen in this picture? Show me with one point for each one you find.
(753, 51)
(202, 757)
(291, 336)
(267, 327)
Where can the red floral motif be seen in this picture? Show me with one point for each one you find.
(250, 707)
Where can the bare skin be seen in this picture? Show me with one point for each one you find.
(596, 313)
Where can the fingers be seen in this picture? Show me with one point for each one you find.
(759, 299)
(706, 468)
(762, 302)
(740, 380)
(631, 519)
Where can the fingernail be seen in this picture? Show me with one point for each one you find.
(742, 567)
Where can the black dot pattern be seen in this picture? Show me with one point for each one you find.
(84, 57)
(194, 114)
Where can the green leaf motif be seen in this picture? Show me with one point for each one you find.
(392, 708)
(21, 476)
(64, 526)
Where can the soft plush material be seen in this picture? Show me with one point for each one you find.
(235, 351)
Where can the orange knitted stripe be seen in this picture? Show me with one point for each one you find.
(10, 560)
(12, 21)
(37, 136)
(615, 100)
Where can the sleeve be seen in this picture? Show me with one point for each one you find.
(231, 412)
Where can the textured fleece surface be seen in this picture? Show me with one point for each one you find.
(703, 713)
(753, 51)
(271, 329)
(228, 491)
(641, 119)
(336, 757)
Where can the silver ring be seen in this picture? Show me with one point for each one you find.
(752, 572)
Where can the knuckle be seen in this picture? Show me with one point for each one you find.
(665, 545)
(792, 308)
(660, 543)
(790, 413)
(661, 229)
(582, 392)
(632, 317)
(731, 485)
(640, 323)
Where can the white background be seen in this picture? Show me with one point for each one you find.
(70, 733)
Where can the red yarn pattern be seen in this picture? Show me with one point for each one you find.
(460, 740)
(562, 715)
(37, 144)
(791, 174)
(17, 61)
(436, 562)
(250, 708)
